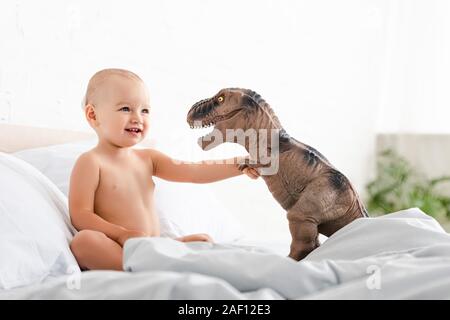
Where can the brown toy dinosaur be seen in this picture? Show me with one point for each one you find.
(317, 197)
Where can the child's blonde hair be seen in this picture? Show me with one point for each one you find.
(99, 77)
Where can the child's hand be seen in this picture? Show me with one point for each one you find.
(251, 172)
(128, 234)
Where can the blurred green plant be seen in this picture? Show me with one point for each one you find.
(398, 186)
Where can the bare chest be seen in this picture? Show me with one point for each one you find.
(118, 181)
(124, 195)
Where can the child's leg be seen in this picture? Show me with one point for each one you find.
(94, 250)
(195, 237)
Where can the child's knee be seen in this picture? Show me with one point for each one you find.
(83, 241)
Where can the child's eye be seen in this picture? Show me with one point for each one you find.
(126, 109)
(146, 111)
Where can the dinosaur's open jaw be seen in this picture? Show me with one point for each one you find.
(211, 121)
(206, 134)
(208, 140)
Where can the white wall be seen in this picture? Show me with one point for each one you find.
(415, 93)
(320, 64)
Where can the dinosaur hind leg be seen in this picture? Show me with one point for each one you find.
(305, 238)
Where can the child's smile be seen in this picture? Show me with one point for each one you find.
(134, 131)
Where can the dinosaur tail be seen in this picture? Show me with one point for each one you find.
(361, 206)
(364, 211)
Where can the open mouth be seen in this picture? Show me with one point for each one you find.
(134, 131)
(212, 121)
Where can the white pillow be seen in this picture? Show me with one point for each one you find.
(35, 229)
(183, 208)
(56, 162)
(186, 208)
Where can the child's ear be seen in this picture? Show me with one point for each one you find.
(90, 114)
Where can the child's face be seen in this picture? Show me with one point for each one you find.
(122, 111)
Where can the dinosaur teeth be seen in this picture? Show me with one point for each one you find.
(203, 125)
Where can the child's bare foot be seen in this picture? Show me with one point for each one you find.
(195, 237)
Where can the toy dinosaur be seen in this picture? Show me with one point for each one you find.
(317, 197)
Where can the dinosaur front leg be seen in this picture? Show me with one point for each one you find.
(305, 238)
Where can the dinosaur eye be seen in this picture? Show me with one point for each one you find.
(220, 99)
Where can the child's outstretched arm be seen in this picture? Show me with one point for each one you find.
(167, 168)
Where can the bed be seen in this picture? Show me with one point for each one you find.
(404, 255)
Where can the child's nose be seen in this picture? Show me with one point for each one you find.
(136, 118)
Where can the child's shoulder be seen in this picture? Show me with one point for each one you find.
(149, 153)
(152, 156)
(145, 153)
(88, 157)
(87, 165)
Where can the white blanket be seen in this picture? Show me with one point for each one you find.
(402, 255)
(405, 255)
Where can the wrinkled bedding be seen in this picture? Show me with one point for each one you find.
(404, 255)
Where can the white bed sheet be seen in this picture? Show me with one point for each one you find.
(147, 284)
(405, 255)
